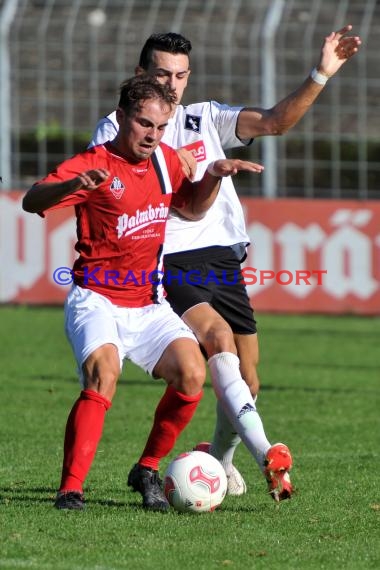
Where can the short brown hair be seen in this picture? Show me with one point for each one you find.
(137, 89)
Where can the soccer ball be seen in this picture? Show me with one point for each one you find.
(195, 482)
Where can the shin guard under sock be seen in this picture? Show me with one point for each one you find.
(238, 403)
(83, 432)
(225, 440)
(172, 415)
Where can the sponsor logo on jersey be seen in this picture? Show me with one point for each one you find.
(193, 123)
(128, 224)
(198, 150)
(139, 171)
(117, 187)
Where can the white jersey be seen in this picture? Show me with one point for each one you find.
(205, 129)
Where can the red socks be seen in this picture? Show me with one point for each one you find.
(83, 432)
(173, 413)
(85, 425)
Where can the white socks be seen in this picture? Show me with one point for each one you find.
(238, 404)
(225, 440)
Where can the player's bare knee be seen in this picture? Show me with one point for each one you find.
(191, 377)
(103, 382)
(101, 372)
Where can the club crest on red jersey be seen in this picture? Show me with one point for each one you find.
(117, 187)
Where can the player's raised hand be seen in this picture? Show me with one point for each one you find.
(337, 48)
(91, 179)
(230, 167)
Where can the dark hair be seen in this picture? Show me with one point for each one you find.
(169, 42)
(137, 89)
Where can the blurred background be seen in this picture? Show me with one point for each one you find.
(63, 60)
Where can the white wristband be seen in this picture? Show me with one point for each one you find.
(318, 77)
(210, 169)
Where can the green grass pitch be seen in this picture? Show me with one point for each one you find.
(320, 395)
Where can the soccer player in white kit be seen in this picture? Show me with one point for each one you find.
(122, 192)
(218, 310)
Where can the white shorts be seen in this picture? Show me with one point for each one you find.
(139, 334)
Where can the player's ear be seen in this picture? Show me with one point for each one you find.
(139, 70)
(120, 114)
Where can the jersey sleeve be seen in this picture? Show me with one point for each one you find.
(225, 119)
(105, 130)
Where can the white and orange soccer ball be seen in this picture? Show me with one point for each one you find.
(195, 482)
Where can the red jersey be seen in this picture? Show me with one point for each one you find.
(121, 224)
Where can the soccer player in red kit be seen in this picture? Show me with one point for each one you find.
(116, 309)
(220, 314)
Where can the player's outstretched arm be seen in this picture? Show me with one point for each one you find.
(194, 199)
(42, 196)
(337, 49)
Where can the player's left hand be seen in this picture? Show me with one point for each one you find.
(337, 48)
(91, 179)
(188, 161)
(230, 167)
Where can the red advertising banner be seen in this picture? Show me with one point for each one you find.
(313, 255)
(31, 250)
(306, 255)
